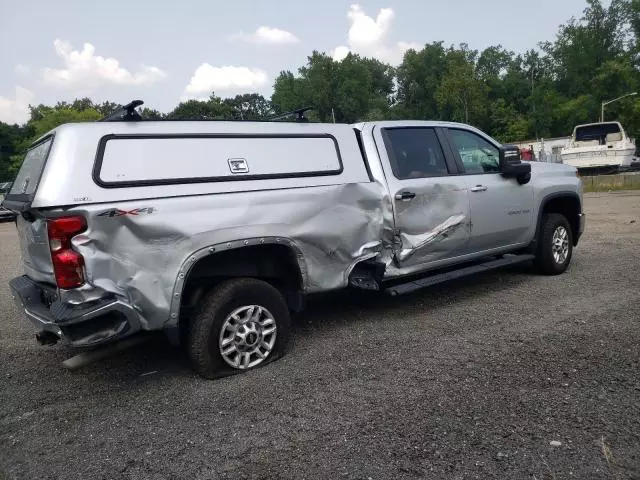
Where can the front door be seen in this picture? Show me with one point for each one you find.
(431, 206)
(501, 208)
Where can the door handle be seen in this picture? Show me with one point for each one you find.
(479, 188)
(405, 196)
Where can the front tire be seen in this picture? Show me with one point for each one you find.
(241, 324)
(555, 246)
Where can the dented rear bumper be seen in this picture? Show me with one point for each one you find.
(97, 322)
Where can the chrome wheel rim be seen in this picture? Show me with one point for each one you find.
(560, 244)
(247, 336)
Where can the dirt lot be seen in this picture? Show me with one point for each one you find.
(469, 380)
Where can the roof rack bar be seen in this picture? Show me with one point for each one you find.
(299, 113)
(124, 113)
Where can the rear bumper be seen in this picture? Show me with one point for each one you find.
(102, 321)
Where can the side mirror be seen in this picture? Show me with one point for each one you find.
(511, 166)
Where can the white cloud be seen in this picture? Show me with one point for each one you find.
(340, 53)
(404, 46)
(365, 32)
(368, 36)
(21, 69)
(267, 36)
(208, 78)
(16, 110)
(84, 68)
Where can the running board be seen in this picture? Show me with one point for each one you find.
(414, 285)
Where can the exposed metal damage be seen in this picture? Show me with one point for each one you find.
(415, 243)
(140, 259)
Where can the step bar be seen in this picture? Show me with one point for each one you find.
(412, 286)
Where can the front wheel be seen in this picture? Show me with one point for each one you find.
(242, 324)
(555, 246)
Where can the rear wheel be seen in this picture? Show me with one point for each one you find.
(555, 246)
(241, 324)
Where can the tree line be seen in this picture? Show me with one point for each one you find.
(540, 93)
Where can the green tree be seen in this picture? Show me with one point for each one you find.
(419, 77)
(461, 96)
(43, 119)
(539, 93)
(151, 114)
(577, 110)
(10, 138)
(492, 66)
(320, 84)
(57, 116)
(347, 90)
(633, 15)
(250, 106)
(212, 109)
(364, 86)
(506, 123)
(583, 45)
(288, 93)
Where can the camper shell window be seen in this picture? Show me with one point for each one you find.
(141, 160)
(26, 182)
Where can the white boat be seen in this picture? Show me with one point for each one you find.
(600, 145)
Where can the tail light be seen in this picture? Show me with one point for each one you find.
(68, 265)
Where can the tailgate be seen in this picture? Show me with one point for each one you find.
(34, 247)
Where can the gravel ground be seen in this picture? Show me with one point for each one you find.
(470, 380)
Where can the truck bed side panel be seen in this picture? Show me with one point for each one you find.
(137, 249)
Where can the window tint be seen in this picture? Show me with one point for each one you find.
(478, 155)
(415, 153)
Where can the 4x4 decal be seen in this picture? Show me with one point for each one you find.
(116, 212)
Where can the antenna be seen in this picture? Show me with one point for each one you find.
(124, 113)
(299, 112)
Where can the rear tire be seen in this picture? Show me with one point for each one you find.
(241, 324)
(555, 246)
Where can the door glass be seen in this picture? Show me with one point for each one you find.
(478, 155)
(414, 153)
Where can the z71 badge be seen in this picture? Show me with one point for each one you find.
(116, 212)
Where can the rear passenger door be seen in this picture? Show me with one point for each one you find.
(430, 204)
(501, 209)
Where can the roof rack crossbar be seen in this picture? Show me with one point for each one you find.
(300, 117)
(124, 113)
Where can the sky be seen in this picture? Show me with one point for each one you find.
(163, 53)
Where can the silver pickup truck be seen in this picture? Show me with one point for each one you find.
(214, 232)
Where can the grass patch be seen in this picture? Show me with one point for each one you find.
(609, 188)
(610, 183)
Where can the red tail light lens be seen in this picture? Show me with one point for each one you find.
(68, 265)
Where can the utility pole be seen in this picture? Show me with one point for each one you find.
(333, 115)
(533, 104)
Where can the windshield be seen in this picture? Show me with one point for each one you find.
(24, 186)
(599, 132)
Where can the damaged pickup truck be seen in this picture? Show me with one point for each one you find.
(215, 231)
